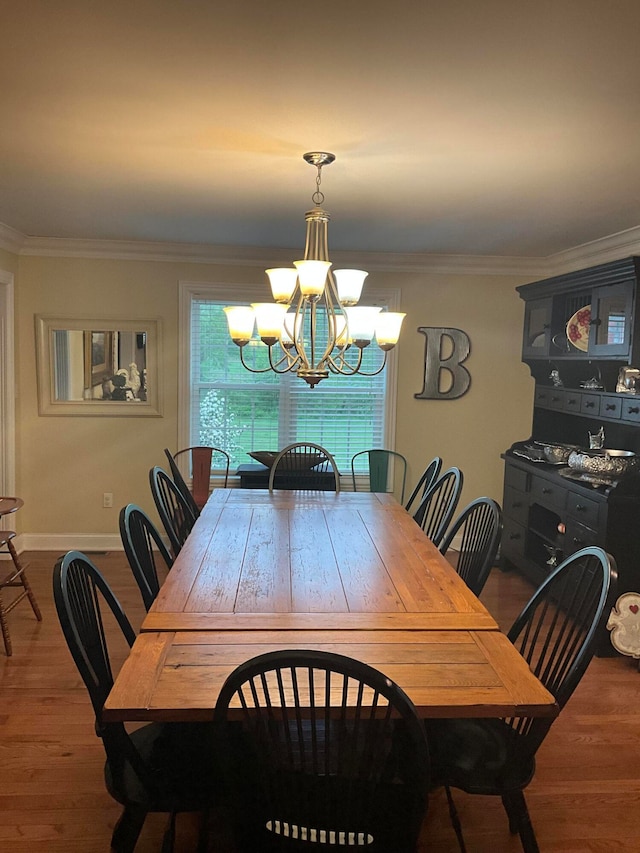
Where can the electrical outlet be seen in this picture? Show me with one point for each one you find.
(107, 499)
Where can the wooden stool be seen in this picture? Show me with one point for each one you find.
(16, 577)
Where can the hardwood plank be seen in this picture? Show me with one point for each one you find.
(441, 678)
(215, 586)
(140, 672)
(366, 582)
(178, 621)
(316, 582)
(265, 580)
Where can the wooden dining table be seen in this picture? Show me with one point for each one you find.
(347, 572)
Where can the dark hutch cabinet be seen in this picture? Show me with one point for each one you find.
(583, 327)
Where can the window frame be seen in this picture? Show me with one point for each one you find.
(219, 291)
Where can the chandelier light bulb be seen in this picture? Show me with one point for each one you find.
(341, 333)
(283, 283)
(362, 324)
(312, 276)
(269, 320)
(287, 331)
(388, 325)
(350, 283)
(240, 320)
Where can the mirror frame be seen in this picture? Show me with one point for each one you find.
(48, 405)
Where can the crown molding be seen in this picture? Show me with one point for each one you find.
(603, 250)
(10, 239)
(196, 253)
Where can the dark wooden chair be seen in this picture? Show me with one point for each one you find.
(438, 505)
(180, 482)
(304, 466)
(476, 533)
(175, 513)
(16, 578)
(428, 478)
(349, 771)
(144, 547)
(556, 634)
(156, 768)
(379, 462)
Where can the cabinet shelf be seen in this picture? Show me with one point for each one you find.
(550, 540)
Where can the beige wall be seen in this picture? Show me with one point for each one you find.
(64, 464)
(8, 261)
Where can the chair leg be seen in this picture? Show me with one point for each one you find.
(513, 821)
(24, 580)
(169, 838)
(455, 820)
(127, 830)
(516, 808)
(5, 629)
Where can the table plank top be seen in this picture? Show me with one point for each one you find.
(177, 676)
(299, 561)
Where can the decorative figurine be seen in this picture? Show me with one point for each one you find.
(555, 377)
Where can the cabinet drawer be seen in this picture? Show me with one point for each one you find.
(513, 539)
(541, 397)
(516, 478)
(583, 509)
(548, 493)
(578, 536)
(610, 407)
(572, 401)
(631, 409)
(556, 398)
(516, 505)
(590, 404)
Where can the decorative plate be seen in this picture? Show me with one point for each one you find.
(578, 328)
(624, 624)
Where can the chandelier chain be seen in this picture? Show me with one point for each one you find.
(318, 196)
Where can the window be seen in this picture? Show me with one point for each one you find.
(227, 406)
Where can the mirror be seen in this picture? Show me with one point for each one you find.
(97, 367)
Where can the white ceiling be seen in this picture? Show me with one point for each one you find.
(496, 127)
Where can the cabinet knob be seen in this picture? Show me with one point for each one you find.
(589, 405)
(610, 407)
(577, 540)
(633, 410)
(580, 507)
(547, 491)
(595, 321)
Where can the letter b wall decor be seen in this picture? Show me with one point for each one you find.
(440, 367)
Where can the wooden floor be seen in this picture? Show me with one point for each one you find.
(585, 797)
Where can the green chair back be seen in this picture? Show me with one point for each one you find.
(379, 461)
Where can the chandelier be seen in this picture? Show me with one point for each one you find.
(315, 326)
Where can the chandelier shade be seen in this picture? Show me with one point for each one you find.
(313, 327)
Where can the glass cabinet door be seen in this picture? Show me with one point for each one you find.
(611, 312)
(537, 328)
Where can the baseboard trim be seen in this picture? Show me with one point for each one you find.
(68, 542)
